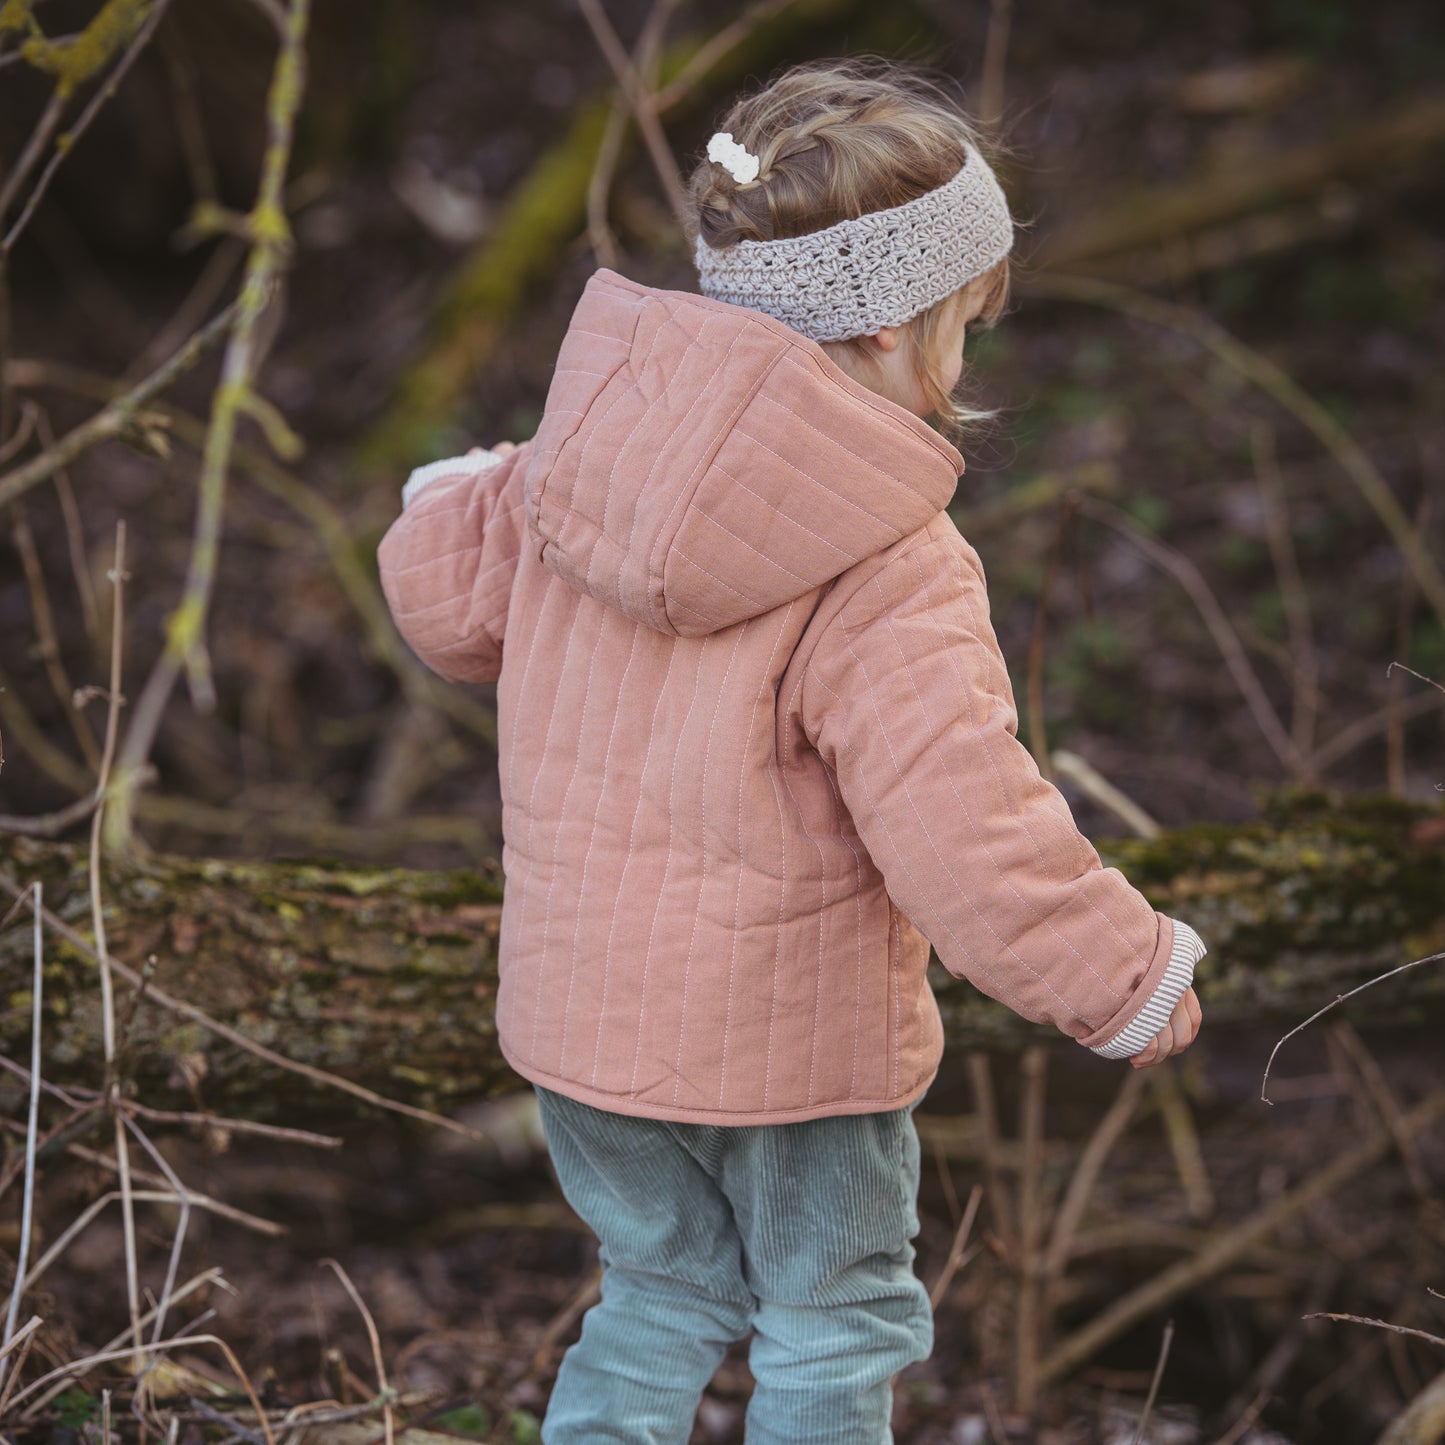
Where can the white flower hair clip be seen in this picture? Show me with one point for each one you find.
(735, 159)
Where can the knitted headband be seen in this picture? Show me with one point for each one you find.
(882, 269)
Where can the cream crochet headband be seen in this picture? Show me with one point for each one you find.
(882, 269)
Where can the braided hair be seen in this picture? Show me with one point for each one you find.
(836, 140)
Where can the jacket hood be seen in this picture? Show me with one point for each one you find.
(699, 464)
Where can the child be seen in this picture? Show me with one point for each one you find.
(757, 751)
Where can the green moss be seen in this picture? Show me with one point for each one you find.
(77, 61)
(16, 15)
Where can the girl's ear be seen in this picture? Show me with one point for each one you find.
(888, 338)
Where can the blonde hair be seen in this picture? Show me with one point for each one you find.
(836, 140)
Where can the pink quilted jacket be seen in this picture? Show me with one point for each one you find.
(757, 739)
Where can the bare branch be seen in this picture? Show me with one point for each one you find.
(113, 419)
(642, 103)
(1183, 570)
(32, 1130)
(1299, 1028)
(1379, 1324)
(103, 94)
(185, 634)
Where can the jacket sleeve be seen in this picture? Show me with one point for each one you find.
(907, 699)
(448, 562)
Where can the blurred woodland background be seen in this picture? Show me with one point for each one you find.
(260, 257)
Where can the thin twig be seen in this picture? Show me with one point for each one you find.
(50, 653)
(102, 94)
(23, 1333)
(1298, 1028)
(185, 634)
(208, 1276)
(24, 1339)
(956, 1253)
(996, 1430)
(113, 418)
(1439, 687)
(1033, 1067)
(995, 56)
(1183, 570)
(29, 415)
(609, 148)
(19, 173)
(1378, 1324)
(22, 728)
(143, 1196)
(600, 235)
(217, 1418)
(74, 535)
(111, 1084)
(1372, 1076)
(1107, 1133)
(355, 576)
(981, 1082)
(207, 290)
(232, 1126)
(581, 1299)
(217, 1207)
(73, 1367)
(1265, 1376)
(1304, 713)
(1217, 1254)
(1184, 1144)
(79, 1108)
(384, 1390)
(1404, 619)
(1354, 734)
(1038, 732)
(182, 1224)
(710, 52)
(1085, 776)
(32, 1127)
(190, 127)
(642, 103)
(1241, 1426)
(1154, 1383)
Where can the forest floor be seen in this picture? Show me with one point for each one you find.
(475, 1271)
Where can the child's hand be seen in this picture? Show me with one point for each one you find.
(502, 449)
(1175, 1036)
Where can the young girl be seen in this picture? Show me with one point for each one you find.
(757, 752)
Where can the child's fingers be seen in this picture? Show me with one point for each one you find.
(1181, 1027)
(1146, 1056)
(1176, 1035)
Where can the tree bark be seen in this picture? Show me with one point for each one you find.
(389, 977)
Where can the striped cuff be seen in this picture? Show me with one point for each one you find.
(1178, 976)
(468, 466)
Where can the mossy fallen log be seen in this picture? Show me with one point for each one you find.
(388, 977)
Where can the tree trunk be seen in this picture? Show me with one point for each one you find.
(389, 977)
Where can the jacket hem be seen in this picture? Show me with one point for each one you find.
(640, 1108)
